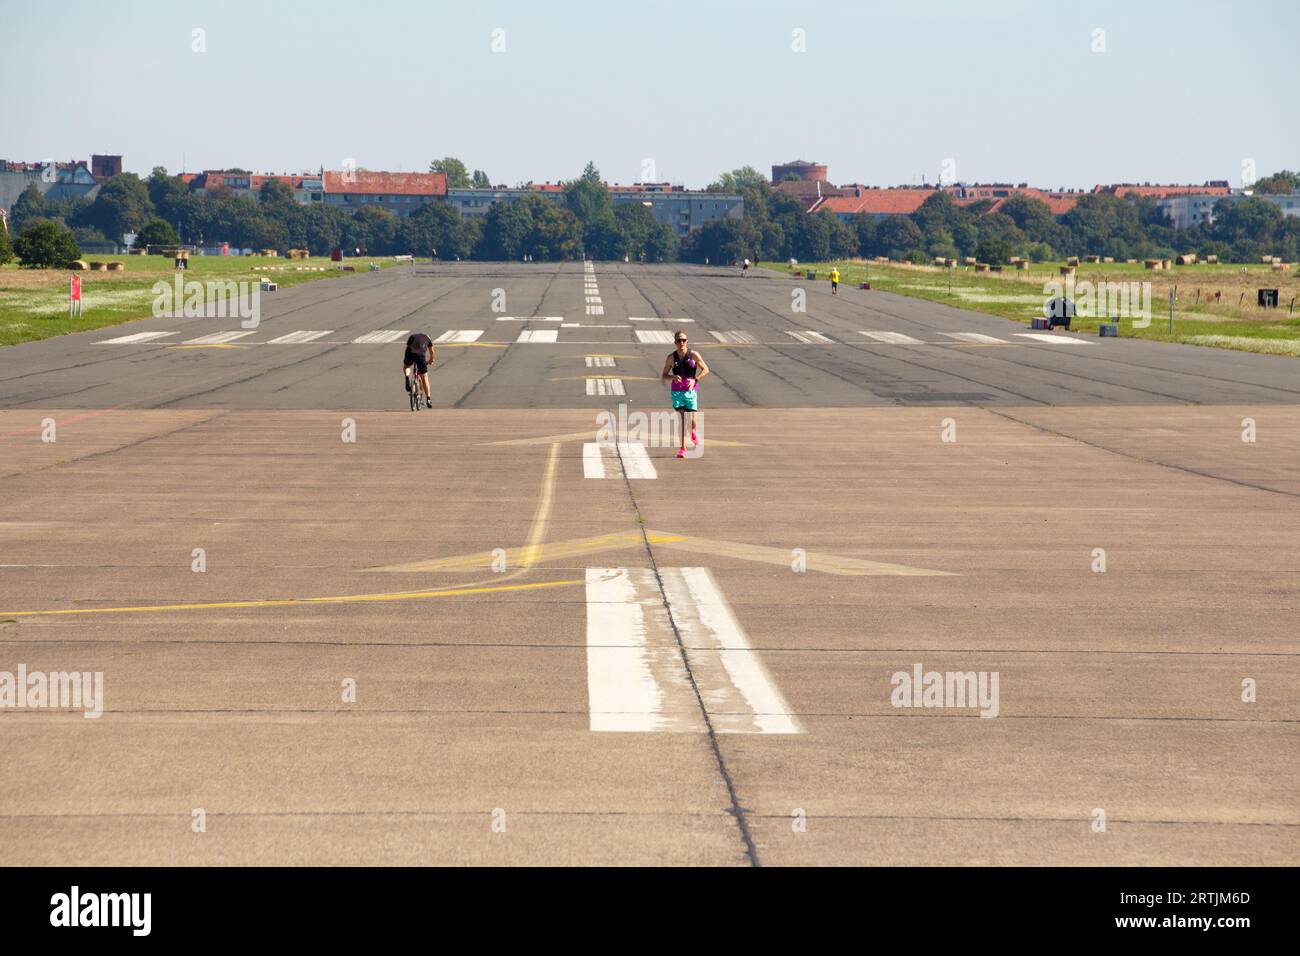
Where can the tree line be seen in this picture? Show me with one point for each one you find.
(775, 226)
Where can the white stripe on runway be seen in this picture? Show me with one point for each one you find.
(734, 338)
(600, 361)
(637, 681)
(979, 337)
(892, 338)
(530, 318)
(600, 460)
(1053, 338)
(381, 337)
(538, 335)
(595, 310)
(218, 338)
(135, 338)
(808, 337)
(460, 335)
(651, 336)
(593, 299)
(605, 386)
(658, 318)
(593, 465)
(297, 338)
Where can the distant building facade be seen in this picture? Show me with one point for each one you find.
(399, 193)
(1194, 209)
(55, 180)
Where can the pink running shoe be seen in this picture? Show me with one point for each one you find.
(694, 437)
(681, 453)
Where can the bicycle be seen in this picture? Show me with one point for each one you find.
(413, 380)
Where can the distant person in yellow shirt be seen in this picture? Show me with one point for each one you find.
(835, 282)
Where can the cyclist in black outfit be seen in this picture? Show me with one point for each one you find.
(419, 353)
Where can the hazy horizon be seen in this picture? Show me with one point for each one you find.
(894, 94)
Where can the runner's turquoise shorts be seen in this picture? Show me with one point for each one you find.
(684, 400)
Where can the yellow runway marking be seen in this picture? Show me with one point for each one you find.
(290, 602)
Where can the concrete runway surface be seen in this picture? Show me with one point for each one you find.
(334, 631)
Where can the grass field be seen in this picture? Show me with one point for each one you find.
(1234, 321)
(34, 302)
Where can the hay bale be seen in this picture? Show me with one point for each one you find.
(1266, 260)
(1108, 259)
(1186, 259)
(940, 261)
(1131, 262)
(116, 267)
(1094, 259)
(1067, 270)
(981, 267)
(1152, 263)
(97, 267)
(1022, 264)
(969, 261)
(78, 265)
(1281, 267)
(1072, 261)
(1212, 259)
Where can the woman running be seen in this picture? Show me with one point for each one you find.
(683, 369)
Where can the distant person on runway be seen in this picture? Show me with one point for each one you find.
(835, 282)
(744, 269)
(416, 361)
(684, 368)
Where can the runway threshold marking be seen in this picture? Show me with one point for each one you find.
(538, 335)
(297, 338)
(381, 337)
(136, 337)
(605, 386)
(637, 676)
(976, 337)
(464, 336)
(219, 338)
(808, 337)
(1052, 338)
(892, 338)
(654, 336)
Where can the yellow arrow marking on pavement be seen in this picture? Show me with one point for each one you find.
(581, 547)
(594, 436)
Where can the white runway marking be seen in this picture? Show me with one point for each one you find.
(600, 361)
(735, 338)
(647, 337)
(605, 386)
(136, 337)
(593, 299)
(979, 337)
(808, 337)
(602, 461)
(637, 681)
(297, 338)
(1053, 338)
(892, 338)
(530, 318)
(218, 338)
(380, 337)
(538, 335)
(460, 335)
(595, 310)
(658, 318)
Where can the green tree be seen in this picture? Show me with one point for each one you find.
(30, 205)
(480, 180)
(122, 206)
(6, 247)
(897, 235)
(746, 177)
(993, 250)
(433, 226)
(457, 174)
(45, 244)
(157, 232)
(1280, 183)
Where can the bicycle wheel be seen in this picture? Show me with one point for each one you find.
(415, 394)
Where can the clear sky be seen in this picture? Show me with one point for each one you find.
(884, 92)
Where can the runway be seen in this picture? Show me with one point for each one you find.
(334, 631)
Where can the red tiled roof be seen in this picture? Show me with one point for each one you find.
(398, 184)
(877, 202)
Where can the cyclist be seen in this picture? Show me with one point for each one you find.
(419, 353)
(684, 368)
